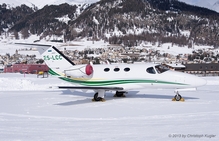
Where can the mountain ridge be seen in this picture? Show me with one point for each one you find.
(41, 3)
(119, 22)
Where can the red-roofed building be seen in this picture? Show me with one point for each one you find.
(26, 68)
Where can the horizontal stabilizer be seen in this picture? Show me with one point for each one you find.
(29, 44)
(91, 88)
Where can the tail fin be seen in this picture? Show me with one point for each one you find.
(56, 60)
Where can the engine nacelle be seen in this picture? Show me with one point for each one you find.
(79, 71)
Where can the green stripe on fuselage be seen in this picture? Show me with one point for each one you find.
(111, 82)
(116, 82)
(53, 73)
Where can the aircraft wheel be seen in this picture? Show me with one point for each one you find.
(178, 97)
(96, 98)
(119, 94)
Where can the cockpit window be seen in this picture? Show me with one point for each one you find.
(161, 68)
(151, 70)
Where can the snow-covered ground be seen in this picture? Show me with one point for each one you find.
(10, 46)
(32, 109)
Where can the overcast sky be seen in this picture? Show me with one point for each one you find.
(202, 3)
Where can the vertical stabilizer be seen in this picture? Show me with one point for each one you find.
(56, 60)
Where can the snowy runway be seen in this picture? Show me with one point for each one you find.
(31, 110)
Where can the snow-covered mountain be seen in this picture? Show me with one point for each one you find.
(211, 4)
(154, 18)
(42, 3)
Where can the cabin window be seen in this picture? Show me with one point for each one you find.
(126, 69)
(116, 69)
(151, 70)
(106, 69)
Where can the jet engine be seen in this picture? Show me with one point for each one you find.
(79, 71)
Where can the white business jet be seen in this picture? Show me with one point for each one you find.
(116, 77)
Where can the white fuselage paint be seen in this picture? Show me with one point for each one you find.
(169, 79)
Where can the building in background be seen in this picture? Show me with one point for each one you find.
(26, 68)
(1, 67)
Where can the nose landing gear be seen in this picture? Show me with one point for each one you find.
(178, 97)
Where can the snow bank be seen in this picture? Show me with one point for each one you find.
(7, 84)
(28, 82)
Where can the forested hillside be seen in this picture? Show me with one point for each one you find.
(126, 22)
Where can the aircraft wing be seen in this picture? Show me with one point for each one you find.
(91, 88)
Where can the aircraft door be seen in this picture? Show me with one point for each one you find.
(151, 71)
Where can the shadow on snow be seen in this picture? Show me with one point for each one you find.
(110, 96)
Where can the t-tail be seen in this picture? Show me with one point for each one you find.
(55, 60)
(62, 66)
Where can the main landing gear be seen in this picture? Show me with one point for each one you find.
(119, 94)
(99, 96)
(178, 97)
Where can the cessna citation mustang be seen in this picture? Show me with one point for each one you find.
(116, 77)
